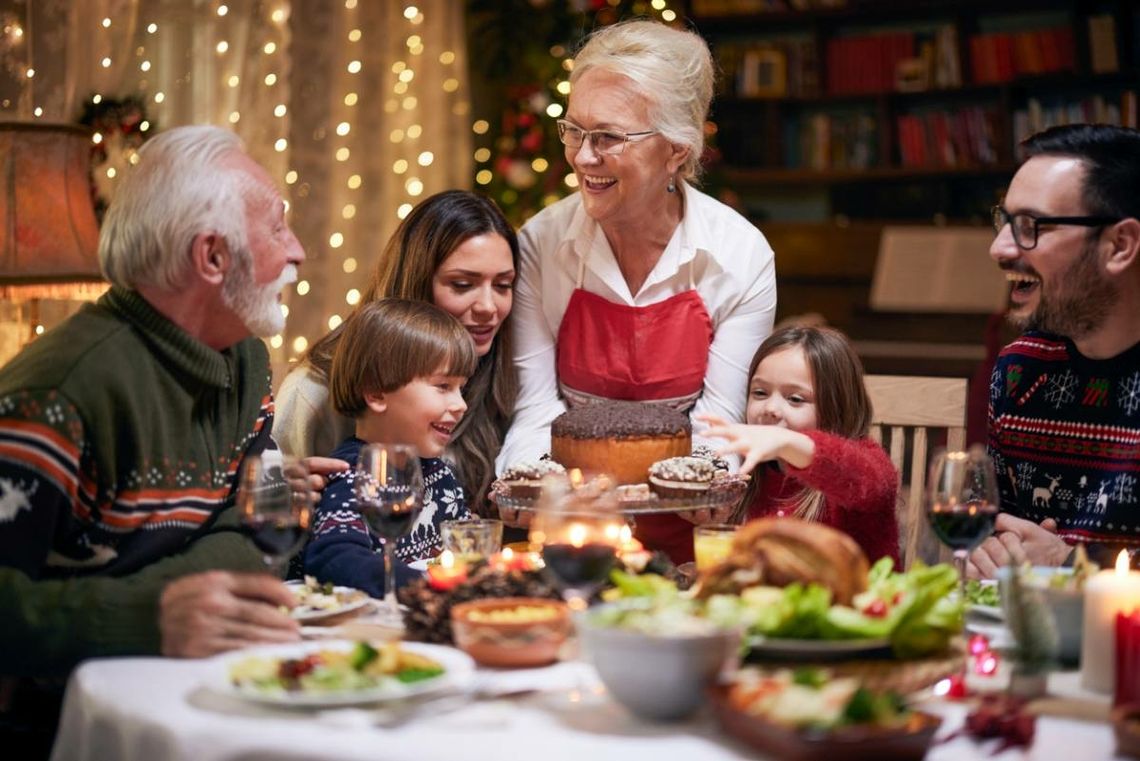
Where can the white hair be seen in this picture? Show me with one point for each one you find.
(671, 68)
(182, 187)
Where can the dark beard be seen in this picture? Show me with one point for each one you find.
(1081, 303)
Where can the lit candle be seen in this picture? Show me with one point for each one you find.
(1106, 594)
(446, 574)
(577, 534)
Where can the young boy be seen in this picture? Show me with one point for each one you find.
(398, 370)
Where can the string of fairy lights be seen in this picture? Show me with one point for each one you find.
(266, 43)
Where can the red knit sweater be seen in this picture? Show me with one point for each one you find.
(859, 485)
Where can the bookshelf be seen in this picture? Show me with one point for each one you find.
(903, 111)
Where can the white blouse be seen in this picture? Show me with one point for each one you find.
(733, 268)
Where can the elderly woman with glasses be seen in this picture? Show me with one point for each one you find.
(638, 286)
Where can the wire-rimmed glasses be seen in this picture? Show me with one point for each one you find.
(1025, 227)
(606, 141)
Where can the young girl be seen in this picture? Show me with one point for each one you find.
(808, 415)
(398, 370)
(456, 250)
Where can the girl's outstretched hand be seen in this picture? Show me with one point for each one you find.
(760, 443)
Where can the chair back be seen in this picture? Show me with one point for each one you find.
(911, 412)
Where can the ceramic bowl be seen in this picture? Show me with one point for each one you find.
(1066, 603)
(510, 632)
(656, 676)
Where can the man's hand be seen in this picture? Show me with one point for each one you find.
(216, 611)
(1016, 540)
(320, 468)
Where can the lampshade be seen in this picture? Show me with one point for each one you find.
(48, 232)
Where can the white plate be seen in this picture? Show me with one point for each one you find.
(353, 599)
(458, 671)
(773, 648)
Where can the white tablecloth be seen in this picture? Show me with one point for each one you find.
(144, 709)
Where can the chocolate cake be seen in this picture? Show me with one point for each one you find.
(619, 438)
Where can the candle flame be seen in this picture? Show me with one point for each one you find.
(612, 532)
(447, 559)
(507, 554)
(577, 534)
(575, 477)
(1122, 563)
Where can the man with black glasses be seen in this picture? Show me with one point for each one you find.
(1064, 418)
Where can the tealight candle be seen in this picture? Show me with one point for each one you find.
(447, 574)
(1106, 594)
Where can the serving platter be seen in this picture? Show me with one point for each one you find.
(721, 496)
(812, 650)
(902, 742)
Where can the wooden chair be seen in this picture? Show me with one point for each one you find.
(920, 406)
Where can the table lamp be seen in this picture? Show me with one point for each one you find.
(48, 232)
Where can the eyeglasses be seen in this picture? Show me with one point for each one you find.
(1025, 226)
(608, 141)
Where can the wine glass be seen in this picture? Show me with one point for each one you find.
(579, 532)
(963, 503)
(275, 502)
(389, 488)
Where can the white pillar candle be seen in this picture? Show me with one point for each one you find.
(1106, 594)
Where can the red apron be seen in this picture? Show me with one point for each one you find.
(656, 353)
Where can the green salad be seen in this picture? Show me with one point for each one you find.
(914, 610)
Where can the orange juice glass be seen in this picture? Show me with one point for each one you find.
(712, 543)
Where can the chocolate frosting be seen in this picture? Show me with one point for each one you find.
(620, 420)
(687, 469)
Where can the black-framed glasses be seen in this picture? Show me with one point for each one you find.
(1025, 226)
(607, 141)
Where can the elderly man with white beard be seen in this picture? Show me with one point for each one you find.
(1064, 422)
(122, 430)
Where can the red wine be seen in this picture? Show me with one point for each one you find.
(276, 537)
(963, 526)
(579, 567)
(390, 520)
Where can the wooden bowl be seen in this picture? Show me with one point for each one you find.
(908, 742)
(507, 641)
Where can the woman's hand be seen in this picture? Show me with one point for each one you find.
(760, 443)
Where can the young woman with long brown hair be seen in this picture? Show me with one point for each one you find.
(456, 250)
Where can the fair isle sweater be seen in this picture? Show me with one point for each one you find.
(343, 551)
(120, 436)
(1064, 432)
(859, 485)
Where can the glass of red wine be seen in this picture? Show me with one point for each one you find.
(579, 531)
(963, 502)
(389, 487)
(275, 501)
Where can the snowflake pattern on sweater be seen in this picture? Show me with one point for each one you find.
(344, 551)
(1065, 437)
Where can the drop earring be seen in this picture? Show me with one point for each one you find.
(672, 186)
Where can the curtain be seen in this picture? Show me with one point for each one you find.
(360, 108)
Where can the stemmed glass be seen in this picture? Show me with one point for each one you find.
(389, 488)
(275, 502)
(963, 503)
(579, 532)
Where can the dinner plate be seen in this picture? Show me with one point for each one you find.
(775, 648)
(458, 671)
(348, 600)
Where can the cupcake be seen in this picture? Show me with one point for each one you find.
(524, 480)
(705, 452)
(681, 477)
